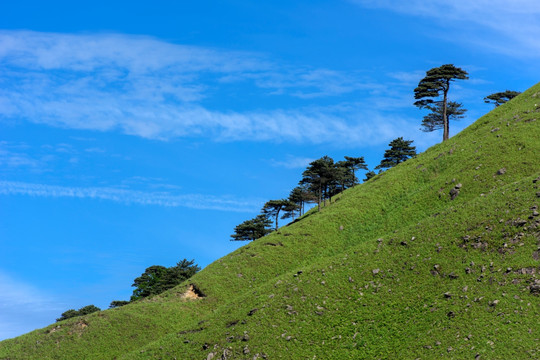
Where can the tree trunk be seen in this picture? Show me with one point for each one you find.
(446, 128)
(319, 200)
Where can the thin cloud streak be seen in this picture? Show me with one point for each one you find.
(292, 162)
(124, 196)
(508, 27)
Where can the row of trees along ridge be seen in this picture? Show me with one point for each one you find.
(322, 179)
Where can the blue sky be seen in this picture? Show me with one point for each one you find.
(135, 134)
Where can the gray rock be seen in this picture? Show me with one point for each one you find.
(535, 287)
(455, 191)
(501, 171)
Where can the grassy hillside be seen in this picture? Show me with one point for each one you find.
(393, 268)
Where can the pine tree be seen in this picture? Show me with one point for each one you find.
(355, 163)
(400, 150)
(438, 80)
(252, 229)
(369, 175)
(272, 208)
(435, 121)
(318, 176)
(300, 195)
(501, 97)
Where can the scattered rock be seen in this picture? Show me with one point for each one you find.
(535, 287)
(246, 350)
(252, 311)
(494, 130)
(375, 271)
(455, 191)
(501, 171)
(447, 295)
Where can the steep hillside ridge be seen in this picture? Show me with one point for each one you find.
(367, 276)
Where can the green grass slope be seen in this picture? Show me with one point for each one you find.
(391, 269)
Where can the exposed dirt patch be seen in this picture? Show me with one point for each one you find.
(193, 293)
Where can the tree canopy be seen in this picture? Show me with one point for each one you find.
(272, 208)
(435, 121)
(437, 81)
(156, 279)
(501, 97)
(82, 311)
(252, 229)
(318, 177)
(400, 150)
(353, 164)
(369, 175)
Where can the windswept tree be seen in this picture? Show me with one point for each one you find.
(342, 177)
(435, 120)
(291, 211)
(436, 82)
(353, 164)
(400, 150)
(82, 311)
(501, 97)
(252, 229)
(118, 303)
(272, 208)
(300, 196)
(156, 279)
(318, 176)
(369, 175)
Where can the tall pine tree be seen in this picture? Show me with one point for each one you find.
(435, 121)
(318, 176)
(437, 81)
(272, 208)
(400, 150)
(355, 163)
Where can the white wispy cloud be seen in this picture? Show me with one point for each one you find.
(127, 196)
(153, 89)
(292, 162)
(508, 27)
